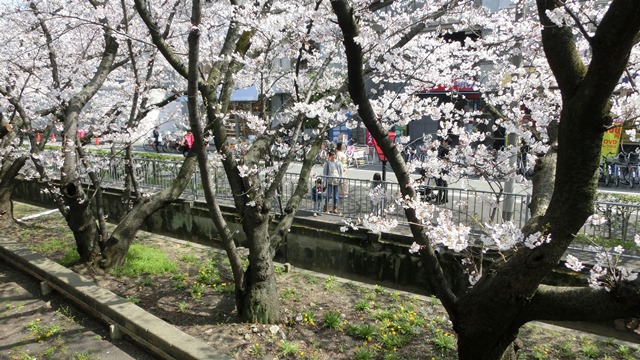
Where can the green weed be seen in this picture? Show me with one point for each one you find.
(183, 306)
(147, 281)
(289, 294)
(41, 332)
(256, 350)
(566, 350)
(288, 348)
(144, 259)
(329, 283)
(66, 312)
(51, 246)
(362, 305)
(224, 288)
(364, 354)
(310, 279)
(309, 317)
(540, 352)
(196, 290)
(362, 331)
(590, 350)
(83, 356)
(331, 320)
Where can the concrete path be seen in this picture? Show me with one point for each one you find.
(120, 316)
(35, 326)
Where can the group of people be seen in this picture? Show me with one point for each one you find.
(334, 182)
(186, 144)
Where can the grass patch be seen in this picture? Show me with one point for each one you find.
(144, 259)
(70, 257)
(51, 246)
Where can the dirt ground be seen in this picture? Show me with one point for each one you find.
(323, 317)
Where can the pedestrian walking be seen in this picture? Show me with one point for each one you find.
(156, 138)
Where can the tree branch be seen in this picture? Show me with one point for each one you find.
(582, 303)
(354, 53)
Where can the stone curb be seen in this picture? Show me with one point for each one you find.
(149, 331)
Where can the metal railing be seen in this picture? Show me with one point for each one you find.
(470, 207)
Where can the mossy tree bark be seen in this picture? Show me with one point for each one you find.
(80, 216)
(257, 300)
(8, 175)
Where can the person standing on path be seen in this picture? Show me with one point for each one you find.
(377, 194)
(443, 152)
(187, 143)
(342, 158)
(332, 172)
(316, 195)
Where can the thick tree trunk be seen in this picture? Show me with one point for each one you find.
(8, 174)
(484, 336)
(82, 222)
(258, 302)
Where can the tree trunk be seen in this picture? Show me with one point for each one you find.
(81, 222)
(8, 174)
(486, 335)
(80, 217)
(117, 246)
(258, 302)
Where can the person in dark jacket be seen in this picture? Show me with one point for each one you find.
(316, 196)
(443, 152)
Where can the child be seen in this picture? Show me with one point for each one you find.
(376, 194)
(316, 195)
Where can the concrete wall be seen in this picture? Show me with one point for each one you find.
(312, 244)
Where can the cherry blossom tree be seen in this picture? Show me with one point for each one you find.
(60, 82)
(564, 63)
(254, 38)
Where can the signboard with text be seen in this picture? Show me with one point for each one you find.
(611, 141)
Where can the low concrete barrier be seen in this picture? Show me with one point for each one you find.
(161, 338)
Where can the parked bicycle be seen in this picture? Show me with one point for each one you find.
(605, 171)
(632, 168)
(150, 145)
(173, 143)
(620, 170)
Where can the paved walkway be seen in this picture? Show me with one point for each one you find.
(35, 327)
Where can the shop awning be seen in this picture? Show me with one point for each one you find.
(247, 94)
